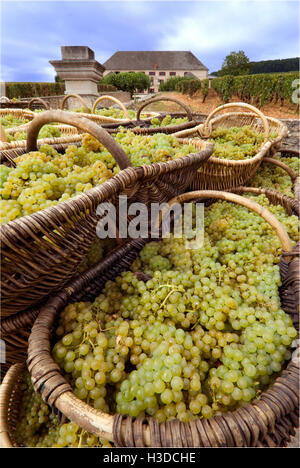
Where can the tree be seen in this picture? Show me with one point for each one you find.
(236, 63)
(128, 81)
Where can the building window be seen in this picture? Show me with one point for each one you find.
(152, 73)
(172, 73)
(151, 90)
(162, 73)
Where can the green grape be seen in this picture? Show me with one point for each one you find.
(134, 350)
(47, 131)
(167, 121)
(236, 143)
(273, 177)
(37, 426)
(10, 120)
(45, 178)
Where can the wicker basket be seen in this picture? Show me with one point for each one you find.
(108, 122)
(15, 330)
(32, 267)
(224, 174)
(17, 113)
(67, 135)
(145, 126)
(269, 421)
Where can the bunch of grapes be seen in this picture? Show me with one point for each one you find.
(112, 112)
(37, 426)
(273, 177)
(10, 120)
(141, 149)
(44, 178)
(203, 332)
(115, 113)
(167, 121)
(48, 131)
(236, 143)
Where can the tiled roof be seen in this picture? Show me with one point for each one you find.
(149, 60)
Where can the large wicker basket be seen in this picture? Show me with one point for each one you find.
(224, 174)
(269, 421)
(18, 113)
(67, 135)
(145, 129)
(102, 119)
(15, 330)
(41, 252)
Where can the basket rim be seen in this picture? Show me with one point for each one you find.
(67, 130)
(8, 110)
(54, 306)
(281, 126)
(283, 130)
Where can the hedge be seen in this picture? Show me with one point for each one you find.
(257, 89)
(25, 90)
(192, 86)
(171, 83)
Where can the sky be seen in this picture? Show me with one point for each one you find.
(32, 32)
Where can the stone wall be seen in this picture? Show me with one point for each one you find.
(123, 96)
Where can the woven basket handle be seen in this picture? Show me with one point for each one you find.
(232, 105)
(231, 197)
(111, 98)
(283, 166)
(84, 104)
(45, 104)
(181, 104)
(84, 124)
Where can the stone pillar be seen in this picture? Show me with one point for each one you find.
(80, 71)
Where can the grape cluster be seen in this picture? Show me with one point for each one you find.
(37, 426)
(236, 143)
(141, 149)
(44, 178)
(10, 120)
(167, 121)
(115, 113)
(273, 177)
(202, 334)
(48, 131)
(112, 112)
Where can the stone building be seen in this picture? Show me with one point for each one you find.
(159, 65)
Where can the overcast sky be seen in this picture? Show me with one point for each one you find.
(32, 32)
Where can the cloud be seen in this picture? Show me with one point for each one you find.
(259, 28)
(33, 32)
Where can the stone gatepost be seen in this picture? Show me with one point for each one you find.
(81, 73)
